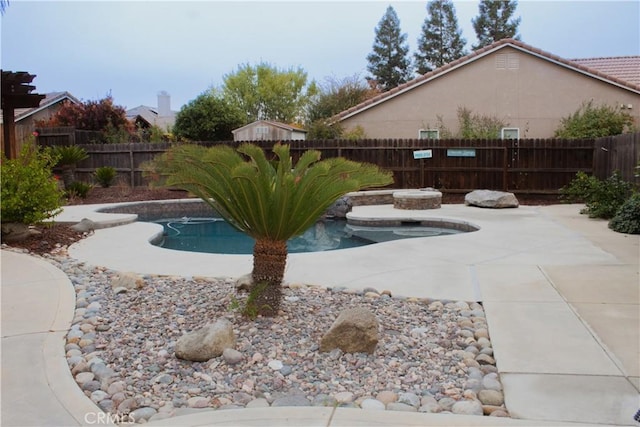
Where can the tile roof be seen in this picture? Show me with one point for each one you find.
(625, 68)
(582, 68)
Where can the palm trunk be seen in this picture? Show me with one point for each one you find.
(68, 176)
(269, 261)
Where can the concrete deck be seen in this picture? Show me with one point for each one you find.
(561, 294)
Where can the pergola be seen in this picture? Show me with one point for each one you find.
(16, 93)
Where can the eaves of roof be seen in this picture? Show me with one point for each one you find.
(272, 123)
(473, 56)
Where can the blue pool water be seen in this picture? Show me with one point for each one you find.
(214, 235)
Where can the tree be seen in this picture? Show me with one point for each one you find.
(389, 63)
(101, 115)
(441, 40)
(337, 95)
(265, 92)
(494, 22)
(90, 115)
(209, 117)
(593, 122)
(334, 97)
(271, 200)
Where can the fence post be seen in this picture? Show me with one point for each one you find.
(133, 172)
(505, 165)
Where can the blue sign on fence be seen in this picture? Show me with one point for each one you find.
(422, 154)
(461, 152)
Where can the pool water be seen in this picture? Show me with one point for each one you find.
(214, 235)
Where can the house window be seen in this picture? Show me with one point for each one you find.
(428, 134)
(510, 133)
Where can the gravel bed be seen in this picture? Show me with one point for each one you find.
(433, 355)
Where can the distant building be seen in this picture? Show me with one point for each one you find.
(162, 116)
(267, 130)
(528, 89)
(26, 118)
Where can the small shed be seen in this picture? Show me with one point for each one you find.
(267, 130)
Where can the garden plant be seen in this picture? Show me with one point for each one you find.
(105, 175)
(271, 200)
(68, 156)
(602, 198)
(612, 198)
(30, 193)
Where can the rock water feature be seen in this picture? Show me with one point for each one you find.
(424, 199)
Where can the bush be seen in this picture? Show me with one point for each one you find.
(354, 134)
(69, 155)
(471, 126)
(627, 220)
(105, 175)
(594, 122)
(602, 198)
(78, 189)
(30, 193)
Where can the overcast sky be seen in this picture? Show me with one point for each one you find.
(134, 49)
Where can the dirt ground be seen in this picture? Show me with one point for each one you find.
(54, 236)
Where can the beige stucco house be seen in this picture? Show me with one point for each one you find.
(267, 130)
(528, 89)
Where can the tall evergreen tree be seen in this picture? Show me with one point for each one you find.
(389, 62)
(494, 22)
(441, 39)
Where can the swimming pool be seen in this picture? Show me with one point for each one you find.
(214, 235)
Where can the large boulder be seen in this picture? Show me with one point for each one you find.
(491, 199)
(84, 226)
(207, 342)
(354, 331)
(339, 208)
(15, 232)
(127, 282)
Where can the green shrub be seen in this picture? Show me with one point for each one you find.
(471, 126)
(580, 189)
(602, 198)
(590, 121)
(69, 155)
(355, 134)
(78, 189)
(627, 220)
(30, 193)
(105, 175)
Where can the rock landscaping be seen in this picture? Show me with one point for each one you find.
(432, 355)
(491, 199)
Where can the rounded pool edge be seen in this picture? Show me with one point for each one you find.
(447, 223)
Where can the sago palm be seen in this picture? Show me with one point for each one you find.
(270, 200)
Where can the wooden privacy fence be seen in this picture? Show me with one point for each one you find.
(528, 166)
(617, 153)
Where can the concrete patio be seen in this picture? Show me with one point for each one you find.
(561, 294)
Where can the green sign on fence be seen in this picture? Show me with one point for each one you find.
(461, 152)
